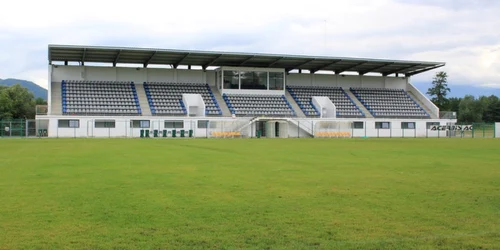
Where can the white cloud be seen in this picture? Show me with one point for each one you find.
(463, 35)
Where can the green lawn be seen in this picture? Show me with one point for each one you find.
(250, 193)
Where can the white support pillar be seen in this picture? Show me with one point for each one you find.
(49, 89)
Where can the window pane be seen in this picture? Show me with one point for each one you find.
(174, 124)
(74, 123)
(358, 125)
(253, 80)
(179, 124)
(202, 124)
(382, 125)
(68, 123)
(408, 125)
(104, 124)
(140, 124)
(169, 124)
(231, 79)
(63, 123)
(145, 124)
(275, 80)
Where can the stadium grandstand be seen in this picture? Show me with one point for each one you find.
(139, 92)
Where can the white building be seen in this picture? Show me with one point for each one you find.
(119, 92)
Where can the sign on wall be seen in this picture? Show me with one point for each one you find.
(452, 128)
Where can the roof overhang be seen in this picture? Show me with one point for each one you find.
(146, 56)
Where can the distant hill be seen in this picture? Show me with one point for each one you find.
(31, 86)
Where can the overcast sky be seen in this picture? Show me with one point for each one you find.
(463, 33)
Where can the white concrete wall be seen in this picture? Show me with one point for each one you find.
(395, 82)
(122, 127)
(421, 97)
(60, 72)
(210, 78)
(138, 75)
(194, 101)
(253, 91)
(497, 130)
(325, 106)
(295, 132)
(345, 81)
(160, 75)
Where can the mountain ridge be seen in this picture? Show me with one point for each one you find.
(31, 86)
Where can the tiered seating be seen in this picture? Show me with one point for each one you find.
(389, 103)
(166, 98)
(251, 105)
(99, 98)
(303, 96)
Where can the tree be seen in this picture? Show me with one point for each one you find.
(16, 102)
(466, 112)
(40, 101)
(492, 110)
(439, 90)
(453, 104)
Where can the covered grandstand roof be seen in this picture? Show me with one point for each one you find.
(146, 56)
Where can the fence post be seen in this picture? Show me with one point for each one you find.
(364, 125)
(473, 129)
(312, 128)
(298, 129)
(483, 125)
(352, 129)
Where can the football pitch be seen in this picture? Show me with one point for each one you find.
(250, 194)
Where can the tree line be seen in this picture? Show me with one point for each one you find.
(469, 108)
(17, 102)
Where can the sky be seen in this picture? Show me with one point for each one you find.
(463, 33)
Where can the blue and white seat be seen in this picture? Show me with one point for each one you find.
(390, 103)
(166, 98)
(258, 105)
(99, 98)
(303, 96)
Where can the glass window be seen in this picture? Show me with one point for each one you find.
(231, 79)
(430, 124)
(202, 124)
(408, 125)
(140, 124)
(358, 125)
(104, 123)
(68, 123)
(174, 124)
(253, 80)
(382, 125)
(276, 80)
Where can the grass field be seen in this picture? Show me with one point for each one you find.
(251, 194)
